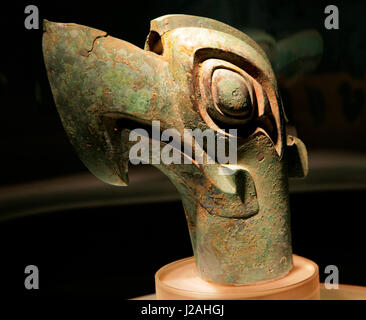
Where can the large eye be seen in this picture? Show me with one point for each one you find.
(231, 95)
(234, 95)
(226, 94)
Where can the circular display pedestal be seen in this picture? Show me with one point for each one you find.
(179, 280)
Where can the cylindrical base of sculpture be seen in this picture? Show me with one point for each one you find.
(179, 280)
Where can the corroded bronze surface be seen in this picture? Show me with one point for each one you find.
(194, 73)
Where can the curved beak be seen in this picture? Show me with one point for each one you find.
(96, 79)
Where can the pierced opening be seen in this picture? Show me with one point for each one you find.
(154, 43)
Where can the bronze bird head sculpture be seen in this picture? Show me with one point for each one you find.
(194, 73)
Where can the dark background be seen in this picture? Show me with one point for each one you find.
(114, 251)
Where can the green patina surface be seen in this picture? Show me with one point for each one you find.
(238, 223)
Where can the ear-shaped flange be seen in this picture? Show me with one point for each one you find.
(297, 156)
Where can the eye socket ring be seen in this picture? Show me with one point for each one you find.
(260, 114)
(226, 93)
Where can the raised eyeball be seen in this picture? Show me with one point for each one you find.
(231, 95)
